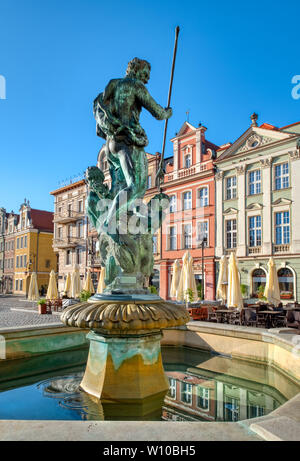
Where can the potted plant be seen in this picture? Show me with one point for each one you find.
(152, 289)
(85, 295)
(189, 296)
(199, 289)
(260, 293)
(244, 290)
(42, 307)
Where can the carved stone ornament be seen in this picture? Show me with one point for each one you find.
(219, 175)
(294, 155)
(266, 162)
(253, 141)
(240, 169)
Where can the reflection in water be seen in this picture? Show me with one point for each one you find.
(202, 388)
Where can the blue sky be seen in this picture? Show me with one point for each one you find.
(234, 58)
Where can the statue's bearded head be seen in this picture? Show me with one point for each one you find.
(140, 69)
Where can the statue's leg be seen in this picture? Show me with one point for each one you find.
(134, 169)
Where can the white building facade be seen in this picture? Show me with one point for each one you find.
(258, 206)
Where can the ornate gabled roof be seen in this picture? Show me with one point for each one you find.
(254, 138)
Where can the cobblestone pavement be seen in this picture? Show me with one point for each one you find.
(12, 318)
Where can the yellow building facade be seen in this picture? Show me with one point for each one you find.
(33, 248)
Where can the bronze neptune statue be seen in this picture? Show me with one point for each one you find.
(125, 225)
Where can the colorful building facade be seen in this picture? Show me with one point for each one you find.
(33, 250)
(190, 223)
(257, 208)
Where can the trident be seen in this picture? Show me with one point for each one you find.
(160, 173)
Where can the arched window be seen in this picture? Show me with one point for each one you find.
(187, 200)
(259, 279)
(286, 283)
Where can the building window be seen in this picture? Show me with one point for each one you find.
(203, 398)
(187, 160)
(17, 285)
(258, 280)
(25, 260)
(286, 283)
(154, 240)
(78, 256)
(232, 409)
(187, 236)
(47, 263)
(70, 230)
(231, 233)
(172, 238)
(21, 245)
(203, 197)
(255, 411)
(254, 182)
(21, 261)
(231, 187)
(17, 261)
(149, 182)
(68, 257)
(282, 176)
(59, 232)
(80, 229)
(25, 241)
(255, 231)
(173, 203)
(18, 243)
(282, 228)
(80, 207)
(70, 209)
(21, 285)
(202, 232)
(186, 393)
(172, 391)
(187, 200)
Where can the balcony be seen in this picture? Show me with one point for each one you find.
(254, 250)
(68, 242)
(286, 248)
(68, 216)
(94, 262)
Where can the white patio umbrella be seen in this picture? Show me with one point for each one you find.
(175, 278)
(222, 279)
(33, 291)
(88, 284)
(234, 298)
(52, 292)
(187, 279)
(75, 283)
(101, 282)
(272, 292)
(67, 289)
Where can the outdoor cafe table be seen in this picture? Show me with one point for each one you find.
(270, 317)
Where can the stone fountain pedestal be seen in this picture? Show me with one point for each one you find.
(124, 362)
